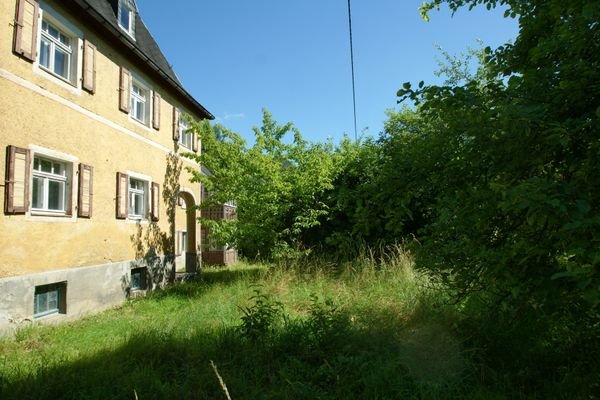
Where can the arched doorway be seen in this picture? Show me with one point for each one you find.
(186, 233)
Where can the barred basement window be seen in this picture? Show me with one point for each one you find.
(50, 299)
(138, 278)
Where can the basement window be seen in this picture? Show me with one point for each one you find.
(50, 299)
(138, 278)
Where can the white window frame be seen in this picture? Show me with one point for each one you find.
(133, 218)
(186, 137)
(134, 194)
(73, 79)
(136, 100)
(128, 7)
(46, 178)
(71, 185)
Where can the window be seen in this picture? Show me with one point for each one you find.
(56, 52)
(127, 16)
(181, 243)
(49, 299)
(139, 101)
(59, 47)
(138, 198)
(185, 135)
(51, 181)
(138, 278)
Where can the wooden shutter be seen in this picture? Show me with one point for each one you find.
(156, 111)
(175, 124)
(86, 191)
(16, 188)
(89, 66)
(178, 237)
(69, 199)
(194, 142)
(122, 199)
(26, 25)
(124, 90)
(155, 194)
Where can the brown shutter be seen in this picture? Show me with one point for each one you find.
(16, 188)
(122, 199)
(26, 25)
(178, 243)
(175, 124)
(155, 194)
(86, 191)
(124, 90)
(69, 208)
(194, 142)
(89, 66)
(156, 111)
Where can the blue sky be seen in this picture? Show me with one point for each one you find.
(293, 57)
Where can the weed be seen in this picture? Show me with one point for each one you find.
(259, 319)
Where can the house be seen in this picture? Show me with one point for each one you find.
(98, 203)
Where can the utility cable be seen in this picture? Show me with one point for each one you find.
(352, 65)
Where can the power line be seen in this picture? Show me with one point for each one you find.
(352, 65)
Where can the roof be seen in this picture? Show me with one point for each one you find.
(144, 49)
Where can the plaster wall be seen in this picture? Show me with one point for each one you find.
(39, 112)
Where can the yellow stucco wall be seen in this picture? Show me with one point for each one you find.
(36, 110)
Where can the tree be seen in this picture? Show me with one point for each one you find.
(277, 185)
(511, 164)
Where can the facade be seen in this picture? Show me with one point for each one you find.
(98, 203)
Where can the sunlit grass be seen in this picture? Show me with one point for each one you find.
(388, 334)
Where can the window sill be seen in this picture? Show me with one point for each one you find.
(129, 33)
(50, 217)
(133, 293)
(141, 124)
(131, 220)
(56, 79)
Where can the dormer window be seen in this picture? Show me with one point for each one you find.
(127, 16)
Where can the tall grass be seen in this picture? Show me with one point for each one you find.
(373, 328)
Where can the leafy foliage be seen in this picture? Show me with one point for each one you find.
(259, 319)
(276, 183)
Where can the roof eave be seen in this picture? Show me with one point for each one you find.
(195, 106)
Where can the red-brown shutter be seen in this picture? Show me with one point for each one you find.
(194, 141)
(86, 191)
(124, 90)
(122, 199)
(156, 111)
(26, 24)
(89, 66)
(16, 188)
(175, 124)
(178, 237)
(69, 203)
(155, 194)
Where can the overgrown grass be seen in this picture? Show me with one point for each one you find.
(372, 329)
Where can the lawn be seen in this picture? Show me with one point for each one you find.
(360, 330)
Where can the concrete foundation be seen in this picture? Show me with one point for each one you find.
(87, 290)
